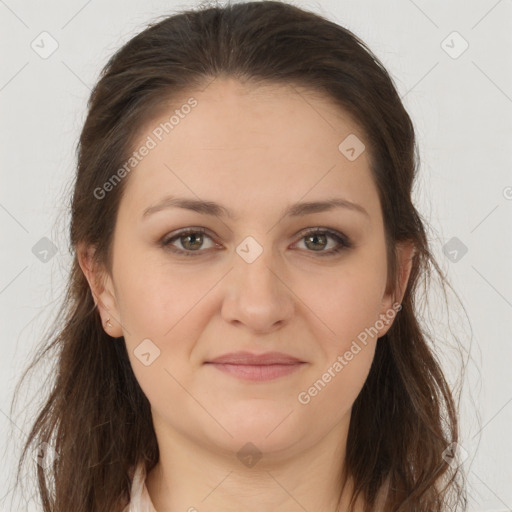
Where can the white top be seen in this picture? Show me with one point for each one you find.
(139, 496)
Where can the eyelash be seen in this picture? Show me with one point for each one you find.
(343, 241)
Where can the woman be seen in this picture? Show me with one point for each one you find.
(240, 330)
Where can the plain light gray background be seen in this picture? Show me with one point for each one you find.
(460, 102)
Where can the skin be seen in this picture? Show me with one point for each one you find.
(254, 150)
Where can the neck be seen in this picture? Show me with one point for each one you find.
(191, 476)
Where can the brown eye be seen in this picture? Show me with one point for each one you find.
(318, 239)
(316, 242)
(190, 242)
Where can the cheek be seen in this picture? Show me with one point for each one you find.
(349, 304)
(154, 297)
(331, 394)
(165, 307)
(347, 299)
(170, 306)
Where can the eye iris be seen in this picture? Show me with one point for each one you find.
(197, 240)
(315, 238)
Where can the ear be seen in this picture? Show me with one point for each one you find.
(102, 289)
(391, 301)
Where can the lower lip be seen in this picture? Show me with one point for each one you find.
(257, 373)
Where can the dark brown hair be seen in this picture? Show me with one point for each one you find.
(96, 418)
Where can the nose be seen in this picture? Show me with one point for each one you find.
(257, 296)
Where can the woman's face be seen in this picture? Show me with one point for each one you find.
(251, 276)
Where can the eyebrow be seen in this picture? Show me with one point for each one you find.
(217, 210)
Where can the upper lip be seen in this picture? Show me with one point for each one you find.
(247, 358)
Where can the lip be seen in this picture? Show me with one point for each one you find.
(247, 358)
(256, 367)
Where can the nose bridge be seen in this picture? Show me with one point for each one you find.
(258, 276)
(255, 270)
(257, 296)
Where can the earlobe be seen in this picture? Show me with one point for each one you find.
(102, 291)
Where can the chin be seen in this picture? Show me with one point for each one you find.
(270, 429)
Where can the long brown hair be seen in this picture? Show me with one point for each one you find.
(96, 419)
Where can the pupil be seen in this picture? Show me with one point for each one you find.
(315, 238)
(195, 239)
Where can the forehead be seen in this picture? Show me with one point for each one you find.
(245, 144)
